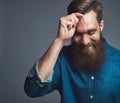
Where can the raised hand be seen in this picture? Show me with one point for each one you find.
(67, 26)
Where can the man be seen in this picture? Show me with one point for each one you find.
(87, 71)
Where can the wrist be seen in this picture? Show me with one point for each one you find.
(59, 41)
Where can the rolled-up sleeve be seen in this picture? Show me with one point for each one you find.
(34, 86)
(34, 73)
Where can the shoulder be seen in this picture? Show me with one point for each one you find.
(113, 52)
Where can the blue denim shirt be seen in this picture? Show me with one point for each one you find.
(101, 86)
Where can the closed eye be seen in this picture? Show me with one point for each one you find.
(91, 32)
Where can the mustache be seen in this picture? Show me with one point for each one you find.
(82, 46)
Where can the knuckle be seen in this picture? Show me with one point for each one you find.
(62, 19)
(73, 14)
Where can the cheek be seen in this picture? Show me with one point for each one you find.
(95, 37)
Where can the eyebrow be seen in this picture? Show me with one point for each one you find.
(90, 7)
(90, 30)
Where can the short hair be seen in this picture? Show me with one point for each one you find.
(82, 5)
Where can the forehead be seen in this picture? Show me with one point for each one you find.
(88, 21)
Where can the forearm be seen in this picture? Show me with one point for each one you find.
(67, 26)
(48, 60)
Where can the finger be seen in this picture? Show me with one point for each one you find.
(75, 20)
(70, 20)
(70, 24)
(78, 15)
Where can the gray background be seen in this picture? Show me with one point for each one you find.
(27, 27)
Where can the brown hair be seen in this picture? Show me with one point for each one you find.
(81, 5)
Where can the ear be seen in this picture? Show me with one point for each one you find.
(101, 25)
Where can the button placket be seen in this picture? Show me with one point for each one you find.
(92, 88)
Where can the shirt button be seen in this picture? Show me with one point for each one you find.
(92, 77)
(91, 96)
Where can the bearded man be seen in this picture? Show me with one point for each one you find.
(86, 71)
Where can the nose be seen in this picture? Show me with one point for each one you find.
(85, 39)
